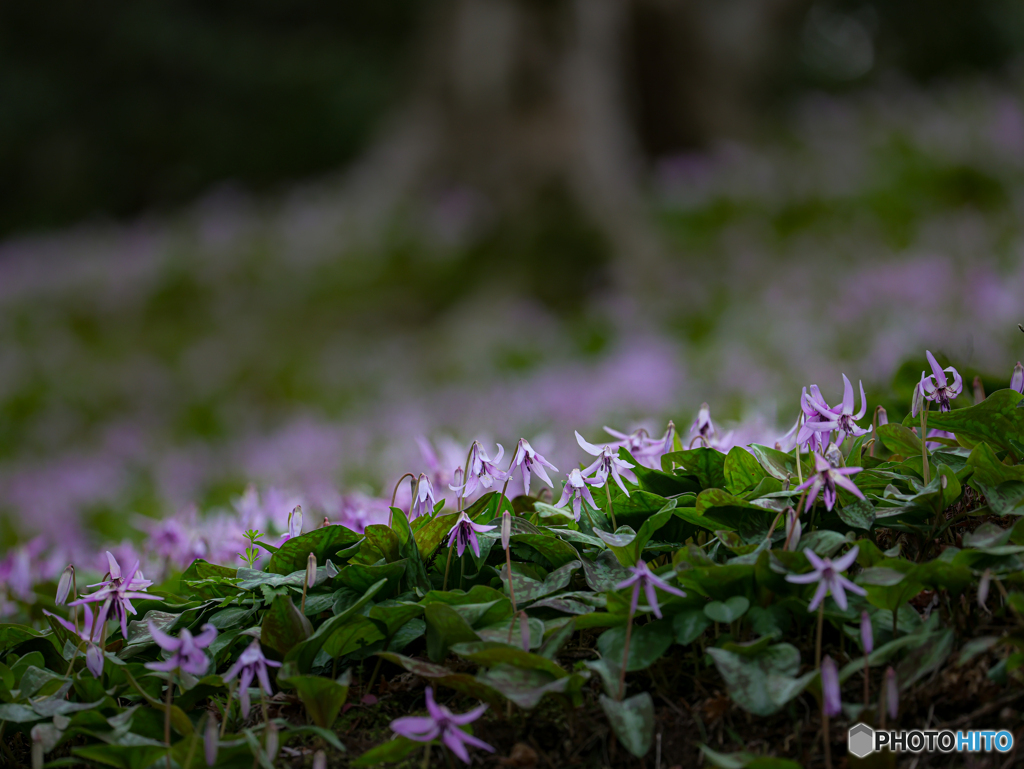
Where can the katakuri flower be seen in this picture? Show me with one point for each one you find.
(937, 388)
(867, 633)
(464, 533)
(703, 429)
(841, 418)
(88, 632)
(483, 471)
(67, 579)
(828, 575)
(186, 650)
(794, 530)
(294, 524)
(826, 478)
(1017, 380)
(444, 725)
(644, 578)
(606, 464)
(815, 410)
(116, 594)
(423, 501)
(576, 489)
(830, 690)
(251, 664)
(530, 463)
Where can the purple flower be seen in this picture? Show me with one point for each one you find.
(793, 530)
(93, 652)
(186, 650)
(443, 724)
(294, 524)
(644, 578)
(635, 441)
(483, 471)
(830, 687)
(883, 415)
(607, 463)
(464, 533)
(116, 594)
(423, 498)
(867, 635)
(842, 418)
(816, 413)
(576, 489)
(251, 664)
(211, 740)
(703, 428)
(527, 458)
(936, 387)
(67, 577)
(506, 528)
(829, 577)
(1017, 380)
(983, 587)
(827, 477)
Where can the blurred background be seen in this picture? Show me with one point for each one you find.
(275, 243)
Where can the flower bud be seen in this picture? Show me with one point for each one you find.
(311, 570)
(38, 752)
(272, 741)
(1017, 380)
(295, 521)
(830, 687)
(67, 578)
(319, 760)
(983, 586)
(892, 693)
(881, 416)
(506, 529)
(793, 529)
(918, 401)
(211, 740)
(867, 635)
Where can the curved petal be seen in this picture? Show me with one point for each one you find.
(590, 448)
(863, 403)
(432, 707)
(940, 376)
(264, 679)
(846, 483)
(803, 579)
(838, 594)
(468, 717)
(451, 738)
(652, 598)
(418, 728)
(847, 560)
(166, 666)
(540, 472)
(958, 383)
(94, 660)
(815, 559)
(853, 587)
(164, 640)
(847, 396)
(469, 739)
(113, 566)
(819, 595)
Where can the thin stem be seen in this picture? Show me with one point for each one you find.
(611, 509)
(465, 476)
(376, 670)
(867, 681)
(511, 591)
(826, 739)
(796, 450)
(448, 565)
(266, 717)
(227, 712)
(395, 494)
(817, 643)
(426, 756)
(924, 444)
(192, 744)
(302, 607)
(874, 431)
(167, 717)
(625, 648)
(462, 572)
(73, 657)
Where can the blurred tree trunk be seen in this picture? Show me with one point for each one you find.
(514, 97)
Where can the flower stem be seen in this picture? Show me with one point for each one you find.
(625, 648)
(924, 444)
(192, 745)
(426, 756)
(394, 494)
(167, 718)
(611, 509)
(796, 450)
(448, 565)
(227, 712)
(826, 738)
(817, 643)
(867, 681)
(511, 592)
(73, 656)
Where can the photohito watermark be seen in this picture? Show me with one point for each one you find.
(862, 740)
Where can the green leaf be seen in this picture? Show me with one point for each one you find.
(556, 552)
(482, 605)
(408, 549)
(283, 626)
(745, 760)
(527, 687)
(122, 756)
(646, 644)
(781, 465)
(690, 625)
(430, 535)
(742, 471)
(988, 470)
(384, 539)
(389, 752)
(323, 543)
(718, 509)
(322, 696)
(659, 482)
(996, 420)
(632, 720)
(706, 465)
(304, 653)
(763, 683)
(445, 627)
(357, 635)
(900, 440)
(859, 515)
(491, 653)
(359, 577)
(727, 611)
(603, 574)
(925, 659)
(181, 722)
(460, 682)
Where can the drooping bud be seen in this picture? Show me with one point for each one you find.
(319, 760)
(1017, 380)
(295, 522)
(918, 401)
(793, 530)
(830, 687)
(506, 529)
(983, 586)
(867, 635)
(211, 740)
(892, 693)
(881, 416)
(272, 741)
(326, 523)
(67, 578)
(979, 390)
(311, 570)
(38, 753)
(94, 660)
(834, 456)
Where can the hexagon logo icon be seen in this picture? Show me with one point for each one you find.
(860, 740)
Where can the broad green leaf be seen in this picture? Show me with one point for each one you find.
(742, 471)
(605, 573)
(526, 687)
(357, 635)
(322, 697)
(445, 627)
(491, 653)
(996, 420)
(122, 756)
(389, 752)
(764, 683)
(430, 535)
(556, 552)
(394, 614)
(781, 465)
(460, 682)
(482, 605)
(646, 643)
(658, 482)
(304, 653)
(706, 465)
(283, 626)
(632, 720)
(384, 539)
(926, 659)
(690, 625)
(323, 543)
(409, 550)
(859, 515)
(727, 611)
(899, 439)
(358, 577)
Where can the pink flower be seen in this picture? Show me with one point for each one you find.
(442, 724)
(527, 458)
(116, 594)
(576, 489)
(827, 477)
(937, 388)
(607, 464)
(464, 533)
(252, 664)
(829, 577)
(186, 650)
(644, 578)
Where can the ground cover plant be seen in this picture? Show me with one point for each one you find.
(669, 603)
